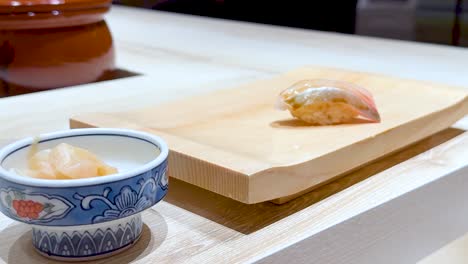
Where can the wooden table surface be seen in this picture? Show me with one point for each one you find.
(394, 212)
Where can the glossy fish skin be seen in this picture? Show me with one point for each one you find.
(328, 102)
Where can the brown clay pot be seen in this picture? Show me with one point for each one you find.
(47, 44)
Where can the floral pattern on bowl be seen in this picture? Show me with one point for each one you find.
(88, 218)
(87, 243)
(34, 208)
(88, 204)
(127, 202)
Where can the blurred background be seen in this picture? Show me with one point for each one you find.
(433, 21)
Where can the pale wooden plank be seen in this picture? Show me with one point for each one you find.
(166, 37)
(229, 141)
(196, 63)
(208, 228)
(453, 253)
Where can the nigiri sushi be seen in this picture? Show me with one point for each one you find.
(328, 102)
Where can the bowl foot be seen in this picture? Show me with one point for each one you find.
(89, 242)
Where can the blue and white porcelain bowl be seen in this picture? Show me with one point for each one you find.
(92, 217)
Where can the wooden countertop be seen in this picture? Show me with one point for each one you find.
(401, 214)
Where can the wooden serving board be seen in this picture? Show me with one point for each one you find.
(234, 143)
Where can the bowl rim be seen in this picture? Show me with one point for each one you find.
(29, 181)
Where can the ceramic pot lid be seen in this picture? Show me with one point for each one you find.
(46, 6)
